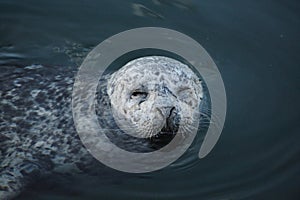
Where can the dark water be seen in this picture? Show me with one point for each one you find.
(256, 47)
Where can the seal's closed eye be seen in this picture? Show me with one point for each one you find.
(138, 94)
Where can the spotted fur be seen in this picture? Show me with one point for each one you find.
(37, 135)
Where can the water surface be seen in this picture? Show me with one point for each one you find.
(255, 44)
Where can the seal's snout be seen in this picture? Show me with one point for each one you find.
(166, 111)
(171, 120)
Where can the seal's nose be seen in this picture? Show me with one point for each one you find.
(165, 111)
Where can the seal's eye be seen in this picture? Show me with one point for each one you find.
(186, 95)
(138, 94)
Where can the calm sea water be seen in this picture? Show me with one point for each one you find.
(256, 47)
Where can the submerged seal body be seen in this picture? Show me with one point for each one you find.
(37, 135)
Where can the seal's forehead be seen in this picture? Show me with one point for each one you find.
(151, 67)
(154, 64)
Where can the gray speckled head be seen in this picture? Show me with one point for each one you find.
(154, 94)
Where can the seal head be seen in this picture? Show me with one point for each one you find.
(154, 95)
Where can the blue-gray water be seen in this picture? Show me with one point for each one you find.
(256, 47)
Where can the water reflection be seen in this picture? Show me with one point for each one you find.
(182, 4)
(143, 11)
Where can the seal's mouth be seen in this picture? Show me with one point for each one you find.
(166, 134)
(171, 124)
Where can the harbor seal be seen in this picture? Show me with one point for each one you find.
(153, 95)
(37, 133)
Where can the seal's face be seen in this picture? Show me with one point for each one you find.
(155, 95)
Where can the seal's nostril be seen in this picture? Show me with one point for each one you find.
(171, 111)
(166, 111)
